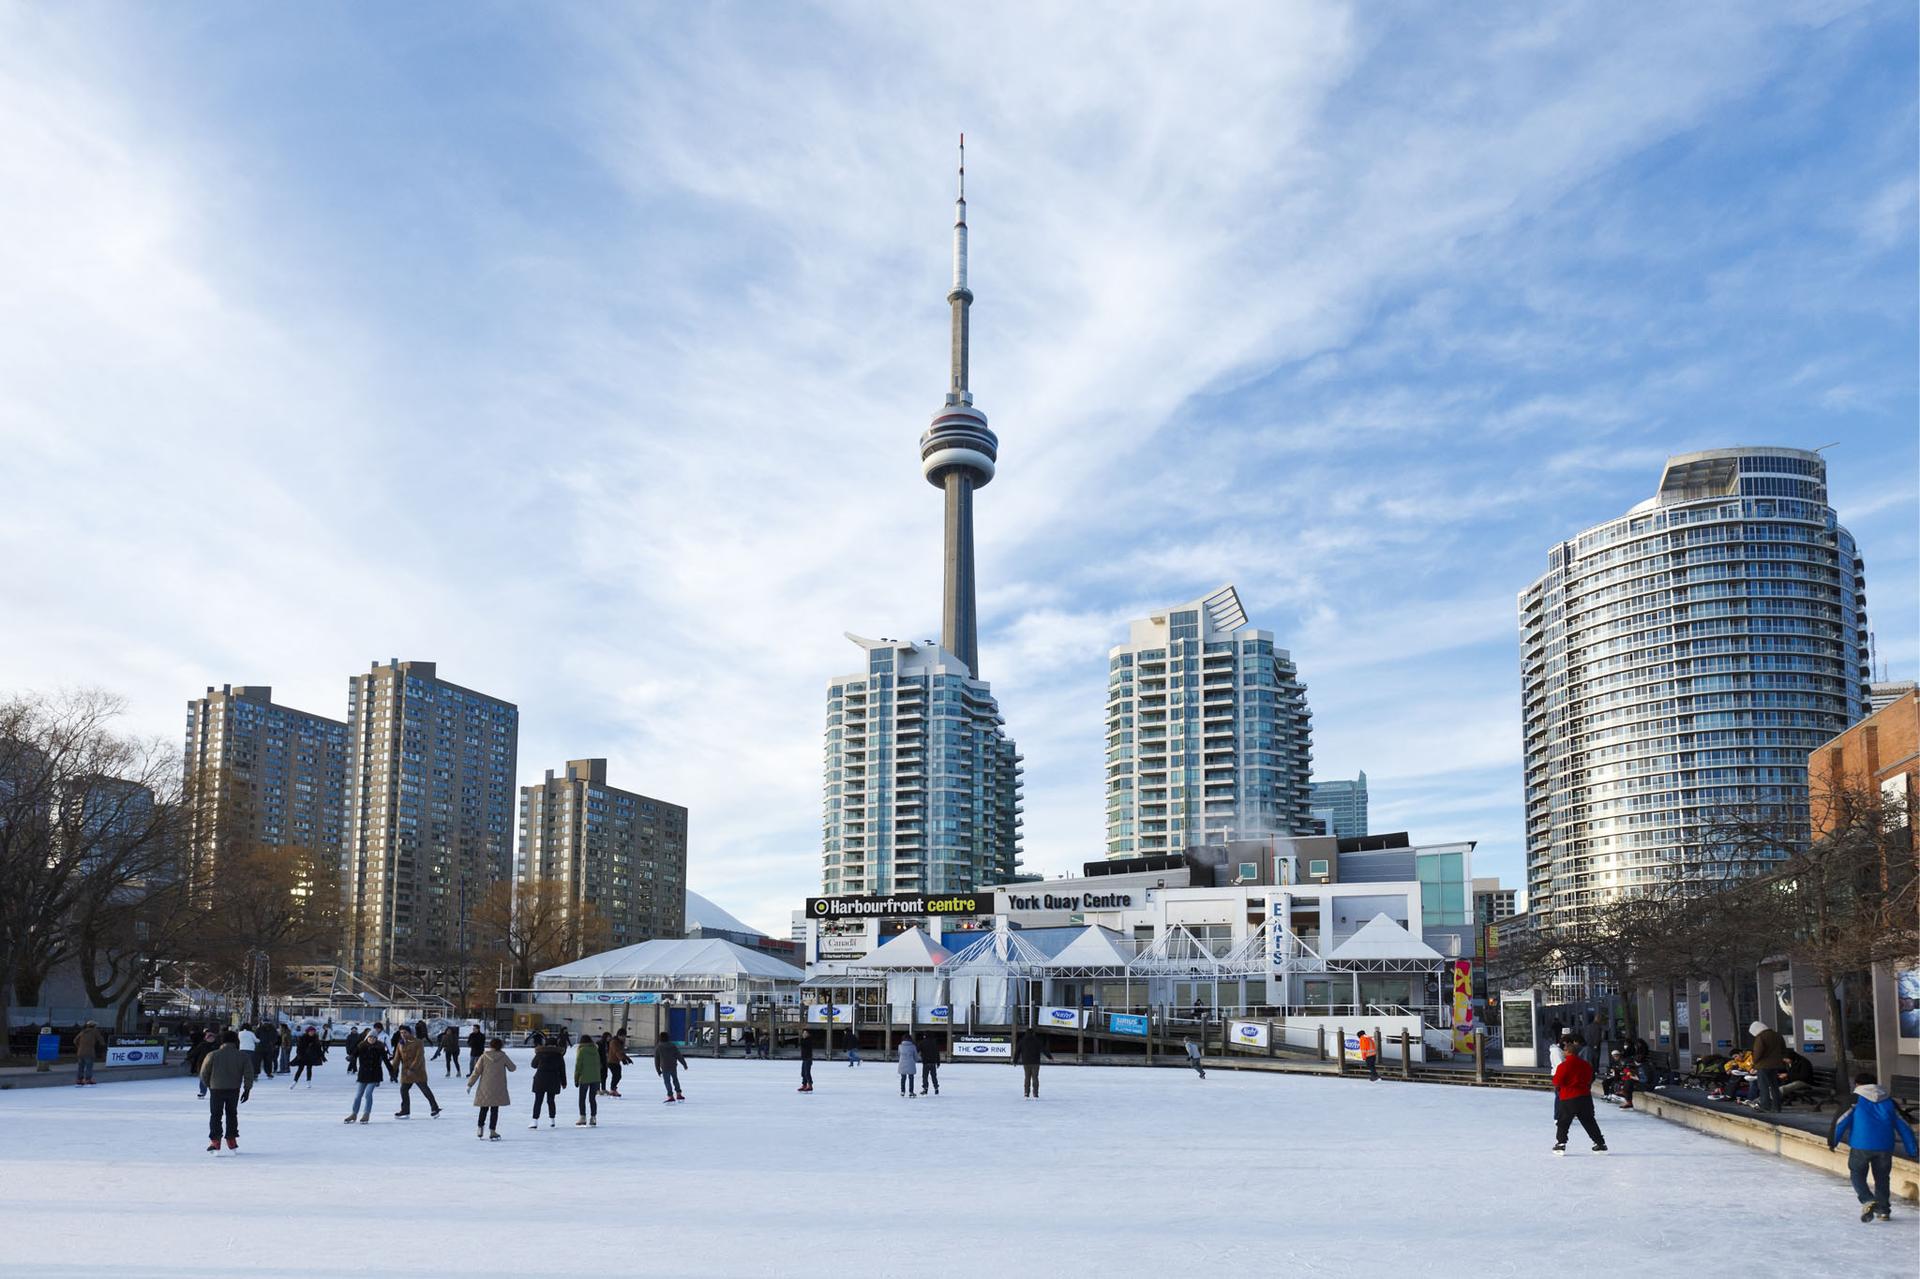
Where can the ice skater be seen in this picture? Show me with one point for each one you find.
(929, 1065)
(450, 1048)
(806, 1062)
(1031, 1047)
(286, 1049)
(227, 1077)
(307, 1054)
(614, 1053)
(1193, 1057)
(488, 1084)
(1573, 1099)
(853, 1054)
(549, 1078)
(86, 1048)
(1869, 1128)
(1370, 1056)
(410, 1056)
(355, 1037)
(201, 1050)
(586, 1080)
(667, 1060)
(909, 1056)
(476, 1045)
(369, 1064)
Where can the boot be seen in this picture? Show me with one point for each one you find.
(593, 1121)
(580, 1122)
(349, 1119)
(233, 1143)
(367, 1118)
(215, 1145)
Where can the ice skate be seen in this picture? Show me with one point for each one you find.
(365, 1119)
(1600, 1148)
(349, 1119)
(580, 1122)
(233, 1144)
(214, 1146)
(535, 1124)
(1866, 1213)
(593, 1122)
(493, 1136)
(1559, 1147)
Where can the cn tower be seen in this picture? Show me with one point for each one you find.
(957, 454)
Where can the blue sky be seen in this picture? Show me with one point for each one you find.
(585, 350)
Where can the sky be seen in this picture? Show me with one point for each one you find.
(585, 349)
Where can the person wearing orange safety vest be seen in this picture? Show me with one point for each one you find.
(1370, 1055)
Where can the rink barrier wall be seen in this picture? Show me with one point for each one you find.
(1774, 1139)
(62, 1075)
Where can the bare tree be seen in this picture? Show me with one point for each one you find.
(89, 820)
(539, 926)
(265, 910)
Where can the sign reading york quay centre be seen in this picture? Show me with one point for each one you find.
(890, 907)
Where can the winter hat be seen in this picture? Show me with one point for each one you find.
(1756, 1028)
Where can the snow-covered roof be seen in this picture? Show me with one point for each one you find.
(1381, 938)
(702, 913)
(672, 957)
(1097, 947)
(911, 949)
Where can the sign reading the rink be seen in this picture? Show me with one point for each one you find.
(980, 1046)
(895, 907)
(1247, 1034)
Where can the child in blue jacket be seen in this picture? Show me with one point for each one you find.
(1870, 1127)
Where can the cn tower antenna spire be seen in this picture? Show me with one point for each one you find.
(957, 454)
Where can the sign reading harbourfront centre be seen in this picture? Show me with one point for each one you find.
(891, 907)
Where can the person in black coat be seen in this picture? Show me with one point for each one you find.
(476, 1044)
(806, 1062)
(308, 1052)
(203, 1047)
(1028, 1051)
(368, 1060)
(450, 1048)
(354, 1037)
(549, 1077)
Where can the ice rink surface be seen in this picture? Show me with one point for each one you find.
(1115, 1171)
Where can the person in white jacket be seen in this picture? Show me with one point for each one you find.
(909, 1063)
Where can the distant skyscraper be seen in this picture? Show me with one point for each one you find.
(1680, 662)
(621, 853)
(922, 783)
(1883, 693)
(1341, 807)
(430, 814)
(1208, 734)
(261, 776)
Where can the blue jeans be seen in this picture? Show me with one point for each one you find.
(671, 1077)
(1880, 1164)
(364, 1093)
(83, 1071)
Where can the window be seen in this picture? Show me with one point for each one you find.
(1249, 870)
(1317, 868)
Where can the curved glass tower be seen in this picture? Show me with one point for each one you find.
(1678, 663)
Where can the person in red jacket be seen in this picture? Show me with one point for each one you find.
(1573, 1099)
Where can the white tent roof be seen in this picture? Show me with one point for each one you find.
(702, 913)
(1096, 948)
(1380, 938)
(672, 957)
(911, 949)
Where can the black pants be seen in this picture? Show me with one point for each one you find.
(299, 1067)
(549, 1097)
(1373, 1067)
(806, 1074)
(1565, 1112)
(1030, 1080)
(929, 1076)
(906, 1082)
(488, 1118)
(1769, 1083)
(671, 1077)
(453, 1060)
(406, 1102)
(223, 1103)
(263, 1061)
(1879, 1163)
(589, 1100)
(1197, 1068)
(613, 1076)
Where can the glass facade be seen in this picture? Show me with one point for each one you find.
(921, 782)
(1679, 663)
(1208, 733)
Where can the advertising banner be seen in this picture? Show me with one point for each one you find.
(1463, 1005)
(1060, 1018)
(843, 945)
(604, 997)
(734, 1013)
(137, 1055)
(838, 1014)
(1127, 1024)
(898, 907)
(1247, 1034)
(939, 1016)
(982, 1046)
(1813, 1035)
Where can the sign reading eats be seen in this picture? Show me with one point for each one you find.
(887, 907)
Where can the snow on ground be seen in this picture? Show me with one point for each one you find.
(1121, 1171)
